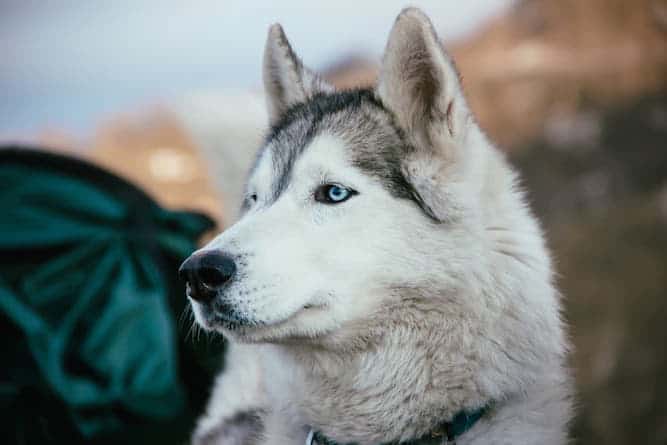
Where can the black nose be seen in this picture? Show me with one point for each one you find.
(206, 272)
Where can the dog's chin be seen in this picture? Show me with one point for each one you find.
(293, 328)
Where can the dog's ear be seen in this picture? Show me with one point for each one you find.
(420, 85)
(286, 80)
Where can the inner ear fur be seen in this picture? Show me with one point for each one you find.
(419, 83)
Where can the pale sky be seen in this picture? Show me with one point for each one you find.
(67, 64)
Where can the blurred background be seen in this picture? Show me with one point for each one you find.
(167, 95)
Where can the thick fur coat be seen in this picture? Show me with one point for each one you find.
(426, 291)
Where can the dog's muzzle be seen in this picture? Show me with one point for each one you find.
(206, 273)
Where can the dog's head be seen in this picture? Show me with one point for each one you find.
(357, 199)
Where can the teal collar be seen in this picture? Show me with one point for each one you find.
(445, 434)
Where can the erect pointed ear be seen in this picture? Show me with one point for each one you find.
(286, 80)
(420, 85)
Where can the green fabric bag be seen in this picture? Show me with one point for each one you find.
(83, 280)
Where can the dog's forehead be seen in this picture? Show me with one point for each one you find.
(357, 120)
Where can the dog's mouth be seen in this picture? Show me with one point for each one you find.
(218, 316)
(231, 323)
(213, 320)
(215, 314)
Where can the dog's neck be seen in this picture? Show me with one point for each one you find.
(397, 386)
(392, 387)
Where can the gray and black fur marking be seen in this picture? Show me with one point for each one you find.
(377, 144)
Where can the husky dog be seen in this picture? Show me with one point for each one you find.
(386, 281)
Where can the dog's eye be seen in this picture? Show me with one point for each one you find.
(253, 197)
(333, 194)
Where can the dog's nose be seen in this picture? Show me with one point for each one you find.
(206, 272)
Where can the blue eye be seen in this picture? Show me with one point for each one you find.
(333, 194)
(337, 194)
